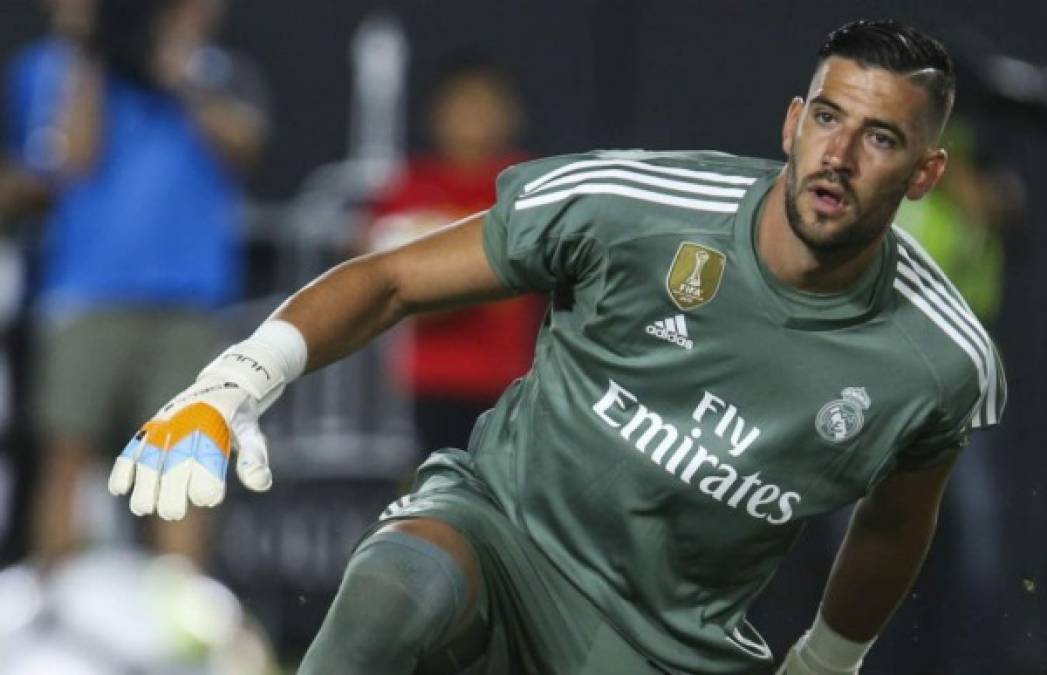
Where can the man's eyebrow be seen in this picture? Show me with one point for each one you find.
(822, 100)
(868, 121)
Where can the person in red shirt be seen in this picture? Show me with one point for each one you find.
(455, 364)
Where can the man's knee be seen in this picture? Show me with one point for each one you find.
(405, 592)
(455, 544)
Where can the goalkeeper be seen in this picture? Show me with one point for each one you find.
(733, 346)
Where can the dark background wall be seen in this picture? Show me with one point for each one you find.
(676, 74)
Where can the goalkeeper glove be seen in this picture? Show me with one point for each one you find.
(182, 453)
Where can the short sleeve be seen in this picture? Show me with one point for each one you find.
(533, 245)
(949, 429)
(941, 440)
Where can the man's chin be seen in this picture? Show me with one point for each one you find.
(823, 235)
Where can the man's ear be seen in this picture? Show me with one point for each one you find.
(792, 121)
(928, 173)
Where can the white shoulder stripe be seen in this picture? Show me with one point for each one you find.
(923, 305)
(932, 276)
(625, 191)
(951, 296)
(978, 339)
(645, 179)
(396, 507)
(654, 168)
(969, 324)
(925, 260)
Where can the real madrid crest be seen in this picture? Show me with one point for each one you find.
(694, 277)
(842, 419)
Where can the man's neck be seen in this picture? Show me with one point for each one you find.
(796, 264)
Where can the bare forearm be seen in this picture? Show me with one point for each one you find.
(352, 303)
(874, 569)
(343, 309)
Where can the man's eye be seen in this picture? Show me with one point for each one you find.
(884, 140)
(823, 117)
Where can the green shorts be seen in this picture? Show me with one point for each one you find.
(99, 376)
(537, 622)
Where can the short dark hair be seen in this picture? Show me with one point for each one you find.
(900, 49)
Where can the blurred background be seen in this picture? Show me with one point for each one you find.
(247, 145)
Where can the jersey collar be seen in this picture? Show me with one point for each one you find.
(796, 309)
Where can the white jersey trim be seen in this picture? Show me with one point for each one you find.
(396, 508)
(748, 646)
(926, 277)
(625, 191)
(645, 179)
(939, 295)
(927, 261)
(919, 301)
(708, 176)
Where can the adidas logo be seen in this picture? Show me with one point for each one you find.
(673, 329)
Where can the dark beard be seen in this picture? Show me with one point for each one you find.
(856, 237)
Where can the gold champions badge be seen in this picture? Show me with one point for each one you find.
(695, 275)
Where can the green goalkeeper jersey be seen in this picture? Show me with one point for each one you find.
(686, 412)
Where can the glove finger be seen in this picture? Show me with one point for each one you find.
(252, 463)
(171, 502)
(121, 478)
(147, 477)
(143, 497)
(252, 458)
(204, 489)
(207, 478)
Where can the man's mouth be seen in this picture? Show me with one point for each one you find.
(830, 199)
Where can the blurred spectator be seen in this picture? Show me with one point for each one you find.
(133, 127)
(33, 95)
(455, 364)
(24, 196)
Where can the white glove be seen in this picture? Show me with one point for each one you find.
(182, 453)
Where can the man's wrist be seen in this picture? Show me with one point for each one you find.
(287, 343)
(275, 354)
(825, 650)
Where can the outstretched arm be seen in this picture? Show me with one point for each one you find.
(181, 455)
(888, 537)
(352, 303)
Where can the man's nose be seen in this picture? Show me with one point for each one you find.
(839, 153)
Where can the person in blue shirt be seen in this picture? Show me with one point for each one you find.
(136, 130)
